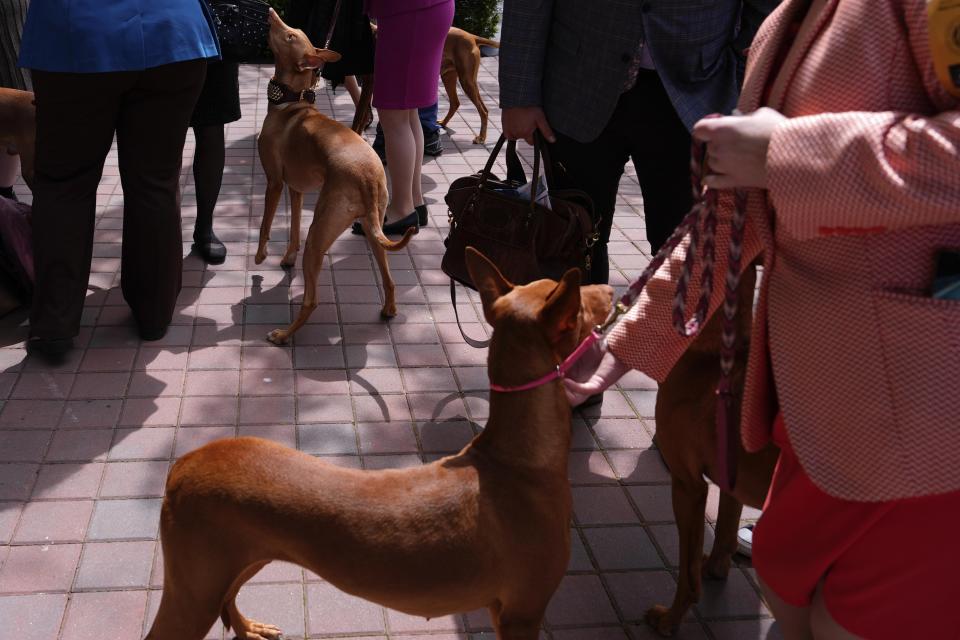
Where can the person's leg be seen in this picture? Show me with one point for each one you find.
(595, 168)
(416, 186)
(660, 148)
(151, 131)
(9, 167)
(402, 159)
(350, 82)
(432, 142)
(208, 162)
(76, 116)
(794, 621)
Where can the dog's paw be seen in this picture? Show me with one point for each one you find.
(716, 568)
(388, 311)
(480, 140)
(659, 617)
(260, 631)
(260, 257)
(278, 336)
(289, 260)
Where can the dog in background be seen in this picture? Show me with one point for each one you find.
(18, 128)
(307, 151)
(488, 527)
(461, 61)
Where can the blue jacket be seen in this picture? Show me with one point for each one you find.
(90, 36)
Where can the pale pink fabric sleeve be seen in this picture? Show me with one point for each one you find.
(839, 172)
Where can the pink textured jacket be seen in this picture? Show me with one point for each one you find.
(864, 188)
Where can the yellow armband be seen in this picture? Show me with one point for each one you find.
(943, 17)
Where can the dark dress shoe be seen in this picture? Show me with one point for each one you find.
(432, 144)
(49, 347)
(421, 214)
(210, 249)
(400, 226)
(149, 334)
(9, 194)
(357, 229)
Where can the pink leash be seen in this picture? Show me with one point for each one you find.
(560, 372)
(702, 218)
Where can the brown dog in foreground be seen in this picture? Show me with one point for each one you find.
(18, 128)
(461, 61)
(686, 437)
(306, 150)
(488, 527)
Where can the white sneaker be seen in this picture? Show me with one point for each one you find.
(745, 540)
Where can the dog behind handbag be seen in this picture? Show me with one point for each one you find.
(525, 238)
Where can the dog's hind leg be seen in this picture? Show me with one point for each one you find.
(196, 581)
(449, 76)
(270, 203)
(512, 626)
(472, 90)
(717, 565)
(244, 628)
(689, 509)
(389, 308)
(319, 238)
(293, 245)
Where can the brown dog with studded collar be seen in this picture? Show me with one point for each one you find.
(307, 151)
(488, 527)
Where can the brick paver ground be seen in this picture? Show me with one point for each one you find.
(85, 446)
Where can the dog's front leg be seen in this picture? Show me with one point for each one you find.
(512, 626)
(270, 203)
(725, 540)
(689, 508)
(293, 246)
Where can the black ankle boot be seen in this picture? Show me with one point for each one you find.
(209, 247)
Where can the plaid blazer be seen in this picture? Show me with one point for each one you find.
(864, 187)
(571, 56)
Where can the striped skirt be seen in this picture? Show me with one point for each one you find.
(12, 15)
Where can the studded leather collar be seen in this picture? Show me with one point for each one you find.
(279, 93)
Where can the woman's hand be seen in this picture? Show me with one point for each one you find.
(598, 370)
(737, 148)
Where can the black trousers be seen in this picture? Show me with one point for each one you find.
(644, 128)
(77, 116)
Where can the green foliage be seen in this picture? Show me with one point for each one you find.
(479, 17)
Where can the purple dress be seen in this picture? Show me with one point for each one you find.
(410, 37)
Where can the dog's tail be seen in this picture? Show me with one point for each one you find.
(390, 245)
(488, 42)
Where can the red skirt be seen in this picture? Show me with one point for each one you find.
(889, 569)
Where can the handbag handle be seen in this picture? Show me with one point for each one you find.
(515, 167)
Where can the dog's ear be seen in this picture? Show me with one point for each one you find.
(487, 279)
(317, 59)
(561, 311)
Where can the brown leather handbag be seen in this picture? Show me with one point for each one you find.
(524, 238)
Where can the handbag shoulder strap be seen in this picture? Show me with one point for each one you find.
(476, 344)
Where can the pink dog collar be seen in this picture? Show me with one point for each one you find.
(557, 374)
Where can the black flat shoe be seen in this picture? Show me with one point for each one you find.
(49, 347)
(400, 227)
(357, 229)
(210, 249)
(9, 194)
(149, 334)
(422, 214)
